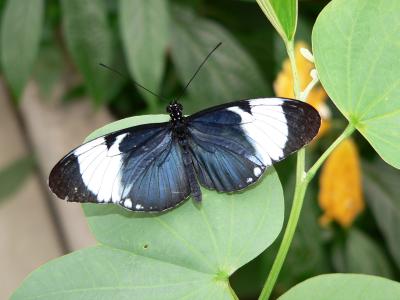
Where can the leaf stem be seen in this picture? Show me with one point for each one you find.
(313, 170)
(304, 94)
(232, 292)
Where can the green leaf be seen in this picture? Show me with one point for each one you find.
(13, 176)
(305, 258)
(230, 73)
(283, 16)
(89, 41)
(382, 190)
(193, 248)
(144, 31)
(344, 287)
(21, 30)
(47, 69)
(106, 273)
(363, 255)
(356, 49)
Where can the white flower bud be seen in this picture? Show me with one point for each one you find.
(307, 54)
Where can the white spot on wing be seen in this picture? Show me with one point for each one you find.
(128, 203)
(257, 171)
(138, 206)
(100, 169)
(249, 180)
(266, 128)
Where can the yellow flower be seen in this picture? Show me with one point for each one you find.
(283, 85)
(340, 195)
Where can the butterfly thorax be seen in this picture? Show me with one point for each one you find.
(178, 121)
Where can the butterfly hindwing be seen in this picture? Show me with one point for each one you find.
(159, 181)
(223, 158)
(233, 144)
(139, 168)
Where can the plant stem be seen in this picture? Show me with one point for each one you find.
(302, 181)
(286, 241)
(295, 74)
(298, 197)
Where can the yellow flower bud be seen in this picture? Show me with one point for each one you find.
(340, 195)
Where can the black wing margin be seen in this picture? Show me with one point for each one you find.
(232, 144)
(139, 168)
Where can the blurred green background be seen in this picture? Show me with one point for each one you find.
(160, 44)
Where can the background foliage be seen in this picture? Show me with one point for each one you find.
(161, 50)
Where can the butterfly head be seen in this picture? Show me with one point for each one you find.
(175, 111)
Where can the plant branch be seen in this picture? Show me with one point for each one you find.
(301, 187)
(286, 241)
(295, 74)
(313, 170)
(304, 94)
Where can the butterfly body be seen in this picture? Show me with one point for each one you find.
(154, 167)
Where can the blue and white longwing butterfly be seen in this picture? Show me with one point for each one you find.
(154, 167)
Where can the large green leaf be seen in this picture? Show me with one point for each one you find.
(144, 31)
(106, 273)
(205, 243)
(356, 48)
(363, 255)
(344, 287)
(14, 175)
(305, 258)
(283, 16)
(382, 190)
(89, 41)
(230, 73)
(21, 30)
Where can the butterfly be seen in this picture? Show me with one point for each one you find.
(155, 167)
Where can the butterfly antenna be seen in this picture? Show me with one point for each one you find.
(138, 84)
(198, 69)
